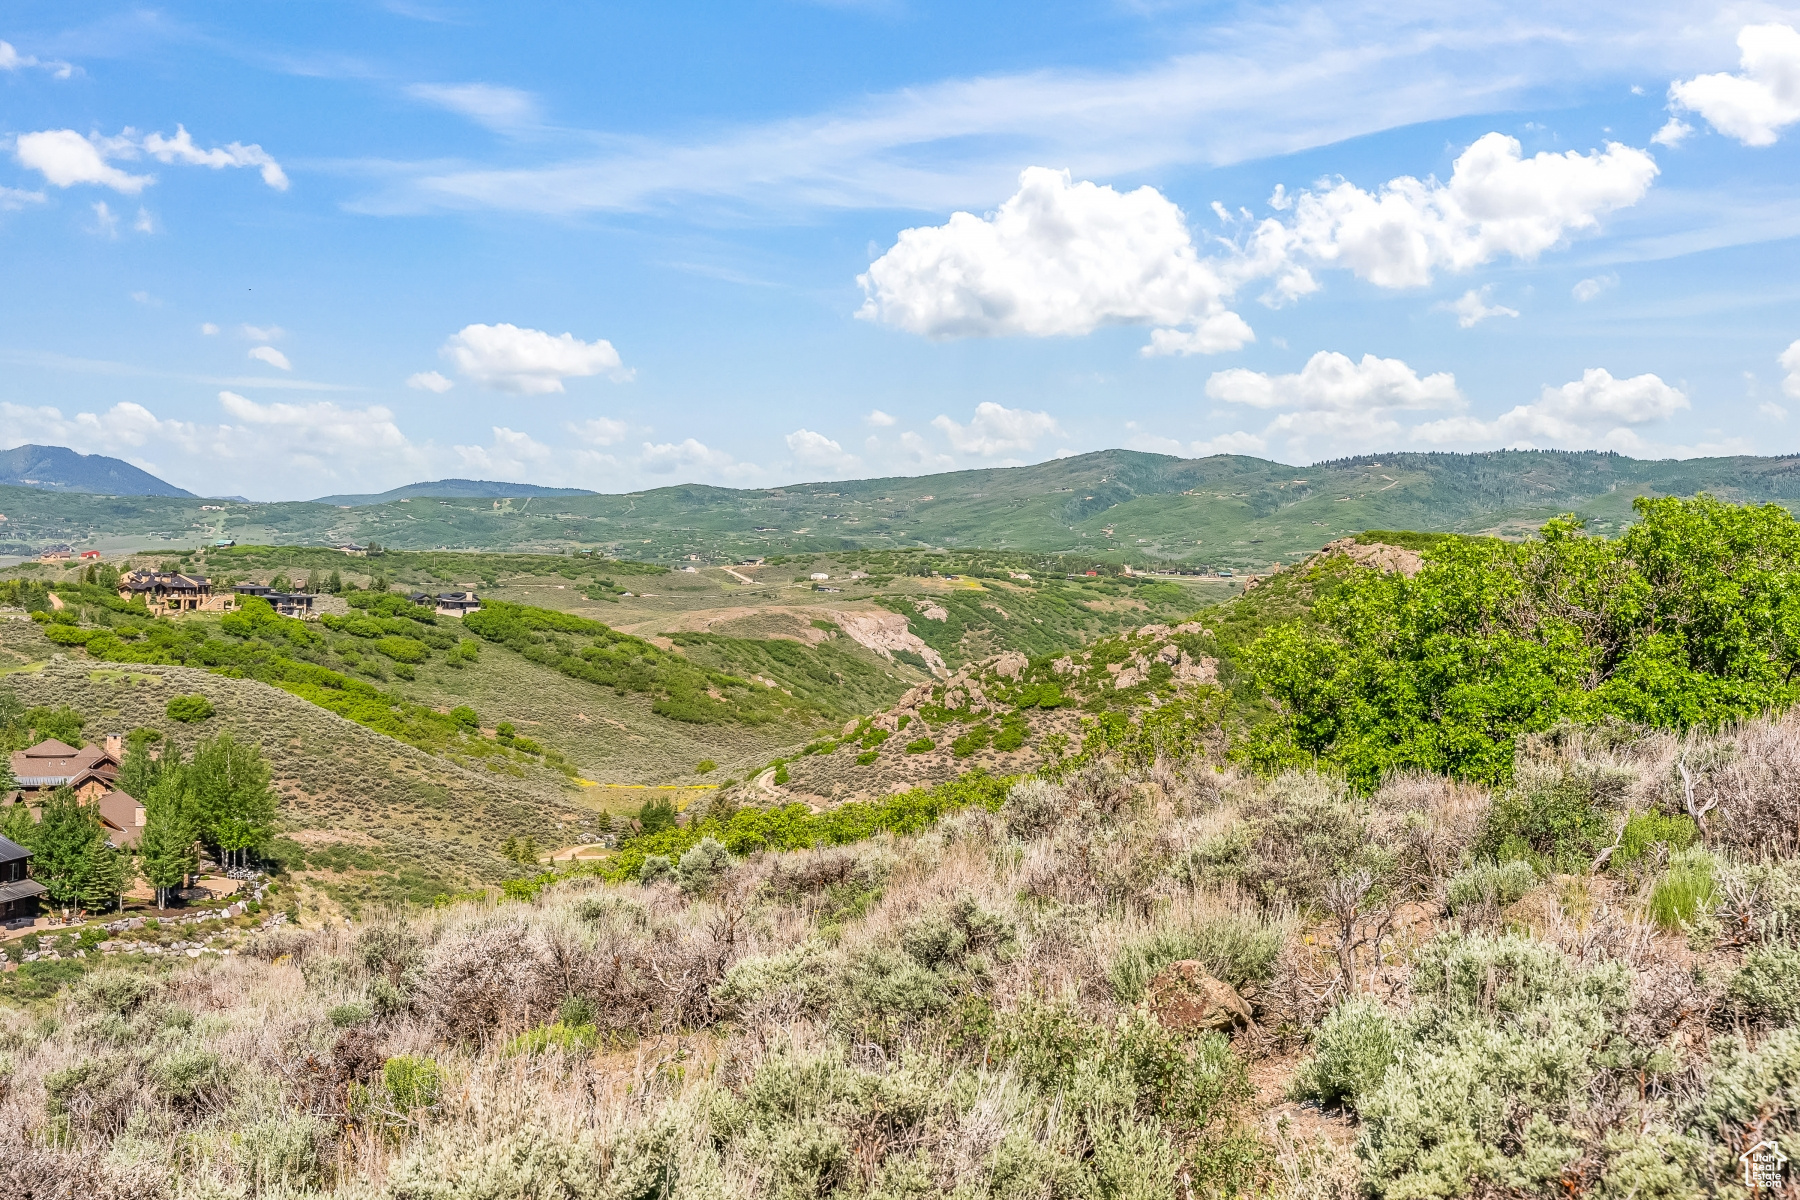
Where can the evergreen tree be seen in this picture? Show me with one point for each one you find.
(67, 839)
(137, 774)
(103, 886)
(166, 847)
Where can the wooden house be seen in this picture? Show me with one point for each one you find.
(456, 604)
(18, 891)
(39, 770)
(172, 591)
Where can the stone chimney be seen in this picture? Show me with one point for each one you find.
(115, 745)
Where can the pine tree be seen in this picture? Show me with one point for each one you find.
(103, 886)
(67, 839)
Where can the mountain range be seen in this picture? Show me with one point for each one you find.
(1227, 510)
(59, 469)
(453, 489)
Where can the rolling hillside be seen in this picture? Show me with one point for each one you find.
(1226, 511)
(55, 469)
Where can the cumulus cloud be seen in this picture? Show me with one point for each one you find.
(1472, 308)
(429, 381)
(65, 158)
(599, 431)
(1229, 443)
(13, 199)
(499, 108)
(1497, 203)
(1772, 410)
(272, 356)
(512, 454)
(1674, 132)
(528, 362)
(694, 458)
(262, 333)
(1588, 289)
(1759, 101)
(996, 429)
(12, 60)
(106, 221)
(1596, 411)
(181, 148)
(208, 329)
(1790, 362)
(1335, 403)
(878, 418)
(1058, 258)
(818, 451)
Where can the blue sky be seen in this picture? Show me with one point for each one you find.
(283, 250)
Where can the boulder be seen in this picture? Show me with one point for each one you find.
(1184, 998)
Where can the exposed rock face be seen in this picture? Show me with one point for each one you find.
(1381, 557)
(931, 611)
(1011, 665)
(1185, 999)
(886, 632)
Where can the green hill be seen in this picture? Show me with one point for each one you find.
(1121, 505)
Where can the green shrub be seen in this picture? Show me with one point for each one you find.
(1647, 829)
(705, 766)
(191, 1078)
(1352, 1051)
(702, 866)
(867, 757)
(188, 709)
(568, 1039)
(1491, 885)
(412, 1082)
(656, 867)
(1238, 949)
(922, 745)
(1767, 986)
(115, 991)
(345, 1015)
(1686, 890)
(1552, 818)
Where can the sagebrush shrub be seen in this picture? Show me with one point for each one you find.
(1490, 885)
(701, 868)
(1552, 815)
(1239, 948)
(1767, 987)
(1352, 1050)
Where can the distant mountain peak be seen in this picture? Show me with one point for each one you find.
(59, 469)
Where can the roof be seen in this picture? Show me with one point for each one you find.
(122, 814)
(150, 581)
(11, 851)
(458, 597)
(51, 763)
(20, 889)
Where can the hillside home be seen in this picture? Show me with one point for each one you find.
(41, 769)
(455, 604)
(18, 892)
(122, 818)
(288, 604)
(90, 556)
(353, 550)
(172, 591)
(56, 556)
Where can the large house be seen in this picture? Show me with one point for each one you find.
(455, 604)
(91, 771)
(288, 604)
(17, 891)
(172, 591)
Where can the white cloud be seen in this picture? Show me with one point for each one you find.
(693, 458)
(262, 333)
(1772, 410)
(878, 418)
(272, 356)
(106, 221)
(12, 60)
(1229, 443)
(181, 148)
(1596, 411)
(208, 329)
(1472, 308)
(815, 450)
(599, 431)
(1754, 105)
(13, 199)
(1790, 362)
(998, 430)
(144, 223)
(1496, 203)
(429, 381)
(1056, 259)
(528, 362)
(499, 108)
(1674, 132)
(65, 158)
(258, 449)
(513, 454)
(1332, 382)
(1588, 289)
(1217, 334)
(1334, 405)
